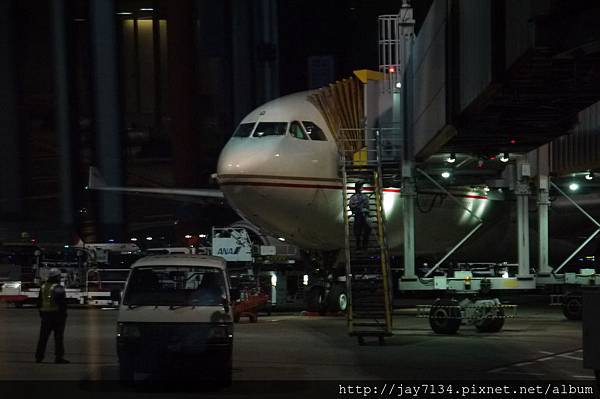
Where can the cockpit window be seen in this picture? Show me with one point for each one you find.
(297, 131)
(270, 129)
(314, 131)
(244, 130)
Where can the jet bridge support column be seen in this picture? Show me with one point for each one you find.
(543, 204)
(522, 193)
(408, 216)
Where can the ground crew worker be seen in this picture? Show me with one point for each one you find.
(53, 312)
(359, 205)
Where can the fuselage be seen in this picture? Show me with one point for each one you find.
(288, 183)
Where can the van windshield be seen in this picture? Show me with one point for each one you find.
(175, 286)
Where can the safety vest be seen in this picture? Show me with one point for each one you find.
(48, 303)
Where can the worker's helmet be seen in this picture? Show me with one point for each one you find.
(54, 272)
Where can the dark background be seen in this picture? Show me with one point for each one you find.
(174, 108)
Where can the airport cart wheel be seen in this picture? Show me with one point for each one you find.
(315, 300)
(444, 317)
(573, 307)
(493, 322)
(338, 300)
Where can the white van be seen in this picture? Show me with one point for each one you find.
(175, 318)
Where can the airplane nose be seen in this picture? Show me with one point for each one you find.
(229, 159)
(242, 156)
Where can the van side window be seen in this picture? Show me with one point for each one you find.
(297, 131)
(314, 131)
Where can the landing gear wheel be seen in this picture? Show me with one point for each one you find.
(315, 300)
(491, 321)
(573, 307)
(338, 300)
(444, 317)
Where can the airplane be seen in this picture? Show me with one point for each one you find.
(280, 171)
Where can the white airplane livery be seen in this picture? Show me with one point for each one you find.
(280, 170)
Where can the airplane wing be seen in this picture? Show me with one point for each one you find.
(97, 182)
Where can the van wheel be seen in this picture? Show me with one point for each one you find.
(126, 371)
(225, 372)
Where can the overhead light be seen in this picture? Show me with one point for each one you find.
(133, 239)
(124, 13)
(188, 236)
(573, 186)
(146, 9)
(398, 85)
(589, 176)
(149, 238)
(445, 175)
(451, 158)
(202, 235)
(504, 157)
(281, 239)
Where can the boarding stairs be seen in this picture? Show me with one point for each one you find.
(367, 270)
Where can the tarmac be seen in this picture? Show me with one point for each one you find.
(538, 345)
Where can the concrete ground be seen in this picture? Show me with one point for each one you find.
(537, 345)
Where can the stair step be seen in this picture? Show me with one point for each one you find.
(381, 325)
(365, 305)
(368, 315)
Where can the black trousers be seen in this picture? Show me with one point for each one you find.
(52, 321)
(362, 230)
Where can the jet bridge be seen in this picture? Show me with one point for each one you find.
(484, 106)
